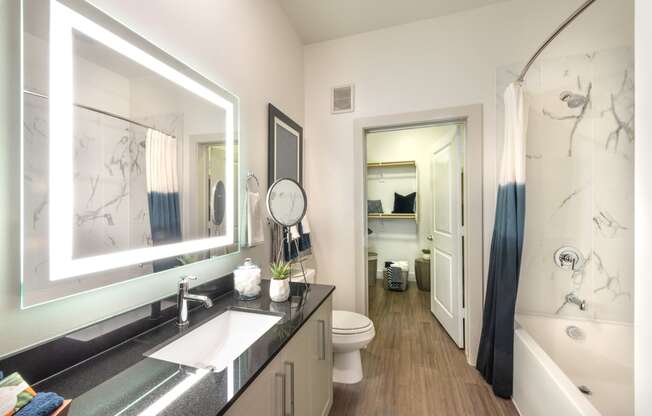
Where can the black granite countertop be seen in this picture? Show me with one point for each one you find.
(124, 381)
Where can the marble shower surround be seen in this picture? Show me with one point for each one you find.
(580, 184)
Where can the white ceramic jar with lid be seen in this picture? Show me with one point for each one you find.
(246, 280)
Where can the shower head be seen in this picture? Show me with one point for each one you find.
(572, 100)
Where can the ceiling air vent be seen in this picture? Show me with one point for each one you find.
(342, 99)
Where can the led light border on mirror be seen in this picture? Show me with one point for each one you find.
(62, 265)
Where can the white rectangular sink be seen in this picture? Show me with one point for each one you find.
(219, 341)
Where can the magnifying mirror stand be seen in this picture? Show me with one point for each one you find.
(286, 205)
(280, 235)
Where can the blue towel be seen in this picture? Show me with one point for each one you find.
(294, 248)
(304, 239)
(43, 404)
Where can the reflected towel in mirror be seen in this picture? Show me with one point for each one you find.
(254, 219)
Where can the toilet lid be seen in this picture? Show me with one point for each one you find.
(350, 322)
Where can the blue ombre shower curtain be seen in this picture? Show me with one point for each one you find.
(163, 193)
(495, 354)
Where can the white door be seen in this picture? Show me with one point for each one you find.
(446, 255)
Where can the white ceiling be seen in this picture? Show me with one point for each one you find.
(319, 20)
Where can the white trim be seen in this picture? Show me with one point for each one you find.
(62, 265)
(473, 208)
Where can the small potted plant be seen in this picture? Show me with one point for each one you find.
(279, 286)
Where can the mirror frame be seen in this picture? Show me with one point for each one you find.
(277, 118)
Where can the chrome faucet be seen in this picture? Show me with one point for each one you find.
(572, 298)
(183, 296)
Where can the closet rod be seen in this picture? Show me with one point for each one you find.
(106, 113)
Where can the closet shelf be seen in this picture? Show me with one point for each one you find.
(401, 164)
(392, 216)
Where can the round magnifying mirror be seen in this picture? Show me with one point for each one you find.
(286, 202)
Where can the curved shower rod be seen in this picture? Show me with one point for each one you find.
(557, 31)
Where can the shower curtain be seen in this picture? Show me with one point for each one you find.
(163, 193)
(495, 354)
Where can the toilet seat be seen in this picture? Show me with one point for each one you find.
(351, 323)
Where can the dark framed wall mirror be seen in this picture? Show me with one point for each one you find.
(285, 147)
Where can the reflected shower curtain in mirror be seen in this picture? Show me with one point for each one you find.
(163, 193)
(495, 354)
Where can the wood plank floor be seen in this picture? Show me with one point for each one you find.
(413, 368)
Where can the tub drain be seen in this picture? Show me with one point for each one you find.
(575, 333)
(584, 389)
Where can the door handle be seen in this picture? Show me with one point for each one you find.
(281, 376)
(322, 343)
(429, 238)
(290, 364)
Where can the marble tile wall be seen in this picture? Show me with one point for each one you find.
(110, 187)
(580, 183)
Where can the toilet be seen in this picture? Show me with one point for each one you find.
(351, 332)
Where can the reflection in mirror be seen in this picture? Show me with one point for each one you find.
(286, 202)
(142, 176)
(218, 203)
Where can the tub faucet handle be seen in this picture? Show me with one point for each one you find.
(568, 258)
(574, 299)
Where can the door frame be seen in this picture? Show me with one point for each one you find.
(474, 290)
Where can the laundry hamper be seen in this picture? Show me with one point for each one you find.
(372, 265)
(396, 275)
(422, 273)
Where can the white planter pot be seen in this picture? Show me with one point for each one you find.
(279, 290)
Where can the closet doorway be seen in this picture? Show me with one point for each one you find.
(415, 218)
(419, 240)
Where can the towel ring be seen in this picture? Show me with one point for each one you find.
(250, 175)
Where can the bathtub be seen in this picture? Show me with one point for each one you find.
(549, 366)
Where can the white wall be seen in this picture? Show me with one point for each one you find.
(430, 64)
(402, 239)
(246, 46)
(643, 208)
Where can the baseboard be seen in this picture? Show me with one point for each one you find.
(516, 407)
(327, 409)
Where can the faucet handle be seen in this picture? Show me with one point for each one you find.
(185, 282)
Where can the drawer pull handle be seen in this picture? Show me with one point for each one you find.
(281, 376)
(322, 344)
(290, 364)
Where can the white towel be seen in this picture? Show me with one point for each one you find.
(294, 232)
(305, 227)
(255, 227)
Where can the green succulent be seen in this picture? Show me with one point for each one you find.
(280, 270)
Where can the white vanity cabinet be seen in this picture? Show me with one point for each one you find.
(298, 382)
(321, 359)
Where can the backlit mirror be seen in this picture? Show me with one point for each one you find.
(129, 156)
